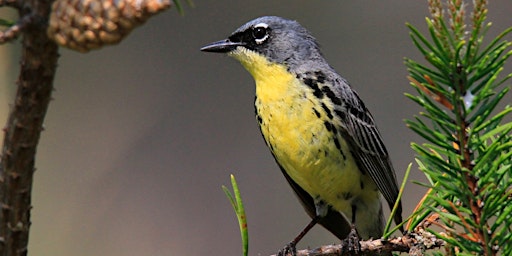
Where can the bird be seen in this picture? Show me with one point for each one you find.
(319, 131)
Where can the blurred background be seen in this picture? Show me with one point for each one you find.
(141, 136)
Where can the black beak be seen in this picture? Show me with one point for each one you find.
(222, 46)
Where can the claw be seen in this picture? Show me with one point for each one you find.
(289, 249)
(351, 243)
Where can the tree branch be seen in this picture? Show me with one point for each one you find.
(37, 69)
(35, 85)
(413, 243)
(14, 31)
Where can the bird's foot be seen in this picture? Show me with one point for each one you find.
(351, 243)
(289, 249)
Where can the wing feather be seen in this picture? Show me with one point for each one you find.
(357, 126)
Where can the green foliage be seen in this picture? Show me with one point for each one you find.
(236, 202)
(468, 149)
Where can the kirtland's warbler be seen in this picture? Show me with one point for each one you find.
(320, 132)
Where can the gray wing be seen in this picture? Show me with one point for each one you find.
(366, 145)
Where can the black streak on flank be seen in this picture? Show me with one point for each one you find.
(314, 85)
(312, 81)
(328, 126)
(337, 143)
(327, 111)
(316, 113)
(340, 114)
(338, 146)
(330, 94)
(334, 130)
(361, 184)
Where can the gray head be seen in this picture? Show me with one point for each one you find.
(279, 40)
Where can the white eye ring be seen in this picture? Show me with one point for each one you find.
(264, 26)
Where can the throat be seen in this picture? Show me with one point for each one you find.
(273, 80)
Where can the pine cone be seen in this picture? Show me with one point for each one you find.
(84, 25)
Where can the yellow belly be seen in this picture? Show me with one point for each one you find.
(292, 122)
(306, 150)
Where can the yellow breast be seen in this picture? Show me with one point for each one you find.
(292, 122)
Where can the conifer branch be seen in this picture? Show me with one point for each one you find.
(467, 157)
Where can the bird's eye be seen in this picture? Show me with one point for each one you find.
(260, 33)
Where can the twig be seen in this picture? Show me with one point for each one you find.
(14, 31)
(412, 243)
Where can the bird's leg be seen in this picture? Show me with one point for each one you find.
(290, 248)
(351, 243)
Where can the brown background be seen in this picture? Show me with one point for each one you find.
(141, 136)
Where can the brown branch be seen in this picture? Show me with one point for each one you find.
(37, 69)
(35, 85)
(15, 30)
(10, 34)
(466, 153)
(413, 243)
